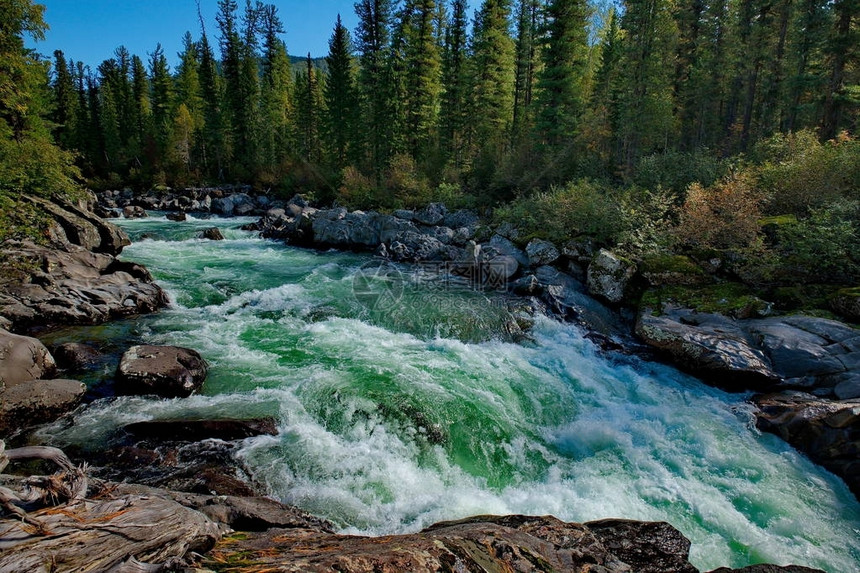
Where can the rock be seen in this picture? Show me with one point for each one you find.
(580, 250)
(566, 297)
(507, 247)
(23, 359)
(462, 219)
(36, 402)
(75, 357)
(212, 233)
(768, 569)
(847, 303)
(178, 217)
(711, 346)
(404, 214)
(223, 206)
(609, 276)
(134, 212)
(484, 543)
(103, 531)
(168, 371)
(508, 231)
(72, 286)
(112, 238)
(828, 432)
(78, 230)
(432, 214)
(526, 286)
(541, 253)
(197, 430)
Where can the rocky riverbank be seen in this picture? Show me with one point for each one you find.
(116, 523)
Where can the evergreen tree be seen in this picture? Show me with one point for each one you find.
(422, 77)
(340, 98)
(309, 109)
(231, 66)
(141, 109)
(562, 83)
(528, 39)
(601, 121)
(65, 113)
(455, 84)
(374, 79)
(492, 77)
(215, 144)
(645, 105)
(107, 101)
(161, 98)
(842, 99)
(276, 88)
(806, 80)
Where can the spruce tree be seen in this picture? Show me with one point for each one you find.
(423, 69)
(562, 84)
(65, 113)
(842, 95)
(340, 98)
(309, 109)
(276, 105)
(528, 40)
(455, 82)
(161, 98)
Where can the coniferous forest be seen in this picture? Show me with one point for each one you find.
(652, 125)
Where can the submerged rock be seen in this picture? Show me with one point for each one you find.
(168, 371)
(213, 234)
(75, 357)
(196, 430)
(36, 402)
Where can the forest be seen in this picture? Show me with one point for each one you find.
(656, 126)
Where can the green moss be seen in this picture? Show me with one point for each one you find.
(778, 220)
(850, 292)
(733, 299)
(670, 264)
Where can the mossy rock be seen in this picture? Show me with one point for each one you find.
(731, 299)
(846, 302)
(665, 270)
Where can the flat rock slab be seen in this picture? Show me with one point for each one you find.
(196, 430)
(168, 371)
(484, 543)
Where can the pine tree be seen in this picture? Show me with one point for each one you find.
(806, 80)
(562, 83)
(842, 99)
(422, 80)
(528, 39)
(141, 109)
(374, 79)
(187, 108)
(65, 113)
(601, 120)
(646, 102)
(455, 84)
(492, 73)
(309, 110)
(161, 97)
(276, 106)
(215, 144)
(340, 98)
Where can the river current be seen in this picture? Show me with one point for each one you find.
(403, 401)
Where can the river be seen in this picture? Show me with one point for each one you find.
(402, 402)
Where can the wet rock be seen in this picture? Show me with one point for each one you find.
(507, 247)
(768, 569)
(23, 359)
(36, 402)
(112, 239)
(711, 346)
(213, 234)
(76, 357)
(483, 543)
(526, 286)
(541, 253)
(609, 276)
(197, 430)
(222, 206)
(134, 212)
(168, 371)
(77, 230)
(178, 217)
(828, 432)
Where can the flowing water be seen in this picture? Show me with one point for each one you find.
(403, 402)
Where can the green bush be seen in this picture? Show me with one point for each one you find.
(824, 247)
(578, 208)
(647, 220)
(675, 171)
(797, 173)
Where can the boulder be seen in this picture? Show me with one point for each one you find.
(75, 357)
(37, 401)
(711, 346)
(223, 206)
(112, 238)
(462, 218)
(541, 253)
(609, 276)
(178, 217)
(133, 212)
(167, 371)
(23, 359)
(212, 233)
(847, 303)
(828, 432)
(580, 250)
(77, 230)
(507, 247)
(432, 214)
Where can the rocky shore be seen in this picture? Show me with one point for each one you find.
(192, 508)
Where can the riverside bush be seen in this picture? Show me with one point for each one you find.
(578, 208)
(675, 171)
(723, 216)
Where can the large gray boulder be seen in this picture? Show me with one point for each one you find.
(609, 276)
(432, 214)
(36, 402)
(223, 206)
(167, 371)
(23, 359)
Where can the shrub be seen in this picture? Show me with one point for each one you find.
(724, 216)
(676, 171)
(800, 174)
(647, 219)
(406, 186)
(578, 208)
(356, 190)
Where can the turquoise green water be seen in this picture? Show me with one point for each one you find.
(399, 411)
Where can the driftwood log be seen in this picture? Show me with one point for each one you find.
(54, 527)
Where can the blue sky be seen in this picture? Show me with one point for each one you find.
(90, 30)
